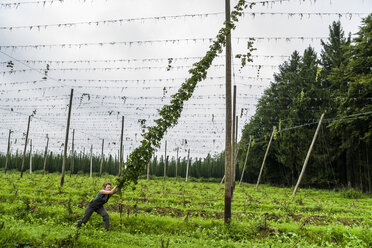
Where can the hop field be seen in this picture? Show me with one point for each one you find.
(36, 212)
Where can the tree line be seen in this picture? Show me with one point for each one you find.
(208, 168)
(337, 82)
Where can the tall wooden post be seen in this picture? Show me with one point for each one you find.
(45, 154)
(236, 149)
(118, 160)
(148, 171)
(72, 153)
(101, 164)
(91, 161)
(121, 145)
(177, 163)
(233, 144)
(66, 139)
(245, 161)
(308, 155)
(16, 161)
(263, 162)
(223, 178)
(30, 156)
(7, 152)
(188, 165)
(368, 172)
(227, 212)
(165, 161)
(24, 151)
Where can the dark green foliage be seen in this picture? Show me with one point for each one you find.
(338, 84)
(351, 194)
(54, 163)
(207, 168)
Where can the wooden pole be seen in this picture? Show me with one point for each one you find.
(16, 161)
(121, 145)
(72, 153)
(24, 151)
(165, 161)
(368, 172)
(45, 154)
(360, 172)
(308, 155)
(245, 161)
(91, 161)
(7, 152)
(30, 156)
(233, 144)
(101, 164)
(148, 171)
(227, 211)
(236, 148)
(118, 160)
(177, 163)
(66, 139)
(222, 179)
(188, 164)
(263, 162)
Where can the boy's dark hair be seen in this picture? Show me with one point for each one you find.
(105, 184)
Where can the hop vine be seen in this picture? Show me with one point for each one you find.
(170, 113)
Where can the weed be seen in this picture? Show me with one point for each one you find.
(299, 201)
(60, 190)
(66, 241)
(23, 210)
(351, 194)
(318, 207)
(15, 189)
(164, 244)
(68, 206)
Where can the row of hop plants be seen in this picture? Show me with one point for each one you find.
(208, 167)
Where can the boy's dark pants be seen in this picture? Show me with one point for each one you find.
(89, 211)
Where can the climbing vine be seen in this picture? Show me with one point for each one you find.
(244, 58)
(170, 113)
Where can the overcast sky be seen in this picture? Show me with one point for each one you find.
(117, 52)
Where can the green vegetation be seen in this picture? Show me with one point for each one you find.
(199, 168)
(54, 162)
(35, 211)
(337, 83)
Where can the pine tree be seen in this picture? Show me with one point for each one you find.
(356, 125)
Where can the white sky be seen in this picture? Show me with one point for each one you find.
(202, 122)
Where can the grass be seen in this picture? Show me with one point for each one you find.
(35, 211)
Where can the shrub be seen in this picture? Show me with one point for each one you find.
(351, 194)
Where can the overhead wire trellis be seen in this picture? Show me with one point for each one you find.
(132, 74)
